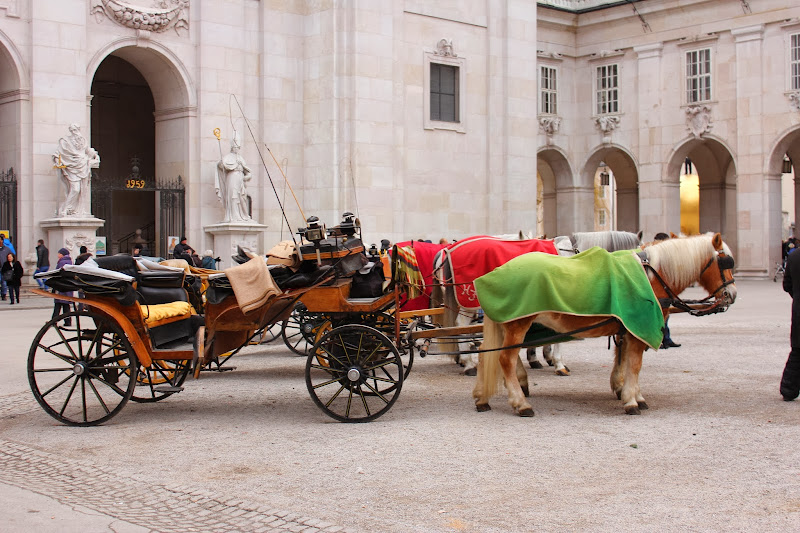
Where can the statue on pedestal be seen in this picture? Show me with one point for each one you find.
(231, 183)
(74, 160)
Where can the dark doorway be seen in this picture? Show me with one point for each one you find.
(123, 133)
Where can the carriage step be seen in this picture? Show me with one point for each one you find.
(167, 388)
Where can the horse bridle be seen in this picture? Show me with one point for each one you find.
(724, 262)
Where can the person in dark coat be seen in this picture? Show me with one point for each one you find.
(12, 274)
(4, 251)
(790, 381)
(84, 255)
(62, 306)
(42, 261)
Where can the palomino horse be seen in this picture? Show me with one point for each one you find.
(671, 267)
(565, 245)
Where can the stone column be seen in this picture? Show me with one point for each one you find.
(229, 235)
(71, 233)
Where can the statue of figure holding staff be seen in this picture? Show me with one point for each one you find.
(75, 160)
(231, 183)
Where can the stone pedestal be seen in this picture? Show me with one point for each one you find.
(229, 235)
(70, 233)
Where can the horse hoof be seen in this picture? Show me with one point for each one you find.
(527, 412)
(567, 369)
(632, 410)
(483, 407)
(643, 405)
(535, 365)
(619, 394)
(562, 372)
(526, 392)
(471, 371)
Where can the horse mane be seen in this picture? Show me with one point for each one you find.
(680, 261)
(609, 240)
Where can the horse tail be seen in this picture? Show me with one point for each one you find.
(490, 361)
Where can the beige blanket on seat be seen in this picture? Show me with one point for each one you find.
(252, 284)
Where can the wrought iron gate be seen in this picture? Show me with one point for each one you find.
(8, 205)
(172, 210)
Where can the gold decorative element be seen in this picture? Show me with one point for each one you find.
(60, 163)
(217, 133)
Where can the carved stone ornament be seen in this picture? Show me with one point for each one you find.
(78, 240)
(445, 48)
(606, 123)
(549, 125)
(794, 100)
(159, 17)
(698, 120)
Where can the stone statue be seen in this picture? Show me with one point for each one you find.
(75, 159)
(231, 183)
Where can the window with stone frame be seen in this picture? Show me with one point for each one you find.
(607, 89)
(794, 61)
(444, 92)
(698, 76)
(548, 90)
(601, 217)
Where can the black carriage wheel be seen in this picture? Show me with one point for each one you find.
(270, 333)
(354, 373)
(81, 374)
(299, 330)
(151, 380)
(384, 322)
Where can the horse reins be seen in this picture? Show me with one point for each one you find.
(724, 262)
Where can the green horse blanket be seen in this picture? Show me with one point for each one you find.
(592, 283)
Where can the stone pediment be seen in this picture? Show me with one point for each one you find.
(158, 17)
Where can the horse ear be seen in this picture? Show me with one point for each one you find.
(716, 241)
(639, 235)
(673, 236)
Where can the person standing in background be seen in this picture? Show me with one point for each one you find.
(4, 251)
(12, 275)
(42, 261)
(62, 306)
(790, 380)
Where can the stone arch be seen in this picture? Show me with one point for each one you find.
(174, 102)
(556, 173)
(787, 143)
(626, 177)
(715, 164)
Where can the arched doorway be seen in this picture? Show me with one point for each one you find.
(784, 161)
(12, 99)
(140, 120)
(555, 173)
(711, 164)
(621, 192)
(123, 133)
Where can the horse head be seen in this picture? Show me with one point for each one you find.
(705, 259)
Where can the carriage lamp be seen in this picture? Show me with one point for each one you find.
(349, 224)
(315, 233)
(373, 251)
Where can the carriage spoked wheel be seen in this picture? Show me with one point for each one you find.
(269, 333)
(82, 374)
(384, 322)
(354, 373)
(299, 330)
(153, 383)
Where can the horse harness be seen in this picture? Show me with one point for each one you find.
(724, 262)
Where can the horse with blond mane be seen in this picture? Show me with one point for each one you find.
(638, 305)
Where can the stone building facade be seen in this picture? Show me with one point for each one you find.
(424, 118)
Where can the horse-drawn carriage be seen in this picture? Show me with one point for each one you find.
(141, 327)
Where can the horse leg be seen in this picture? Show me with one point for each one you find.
(522, 377)
(552, 354)
(632, 399)
(510, 363)
(617, 372)
(481, 403)
(532, 360)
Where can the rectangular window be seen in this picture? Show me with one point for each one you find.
(607, 90)
(444, 93)
(601, 218)
(795, 61)
(548, 91)
(698, 76)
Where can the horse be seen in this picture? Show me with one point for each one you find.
(671, 267)
(445, 292)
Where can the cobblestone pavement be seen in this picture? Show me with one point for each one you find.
(164, 508)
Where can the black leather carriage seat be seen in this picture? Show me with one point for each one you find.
(155, 288)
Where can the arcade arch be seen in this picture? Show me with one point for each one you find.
(784, 161)
(14, 97)
(713, 163)
(142, 105)
(625, 190)
(555, 174)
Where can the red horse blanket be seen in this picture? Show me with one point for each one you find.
(473, 257)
